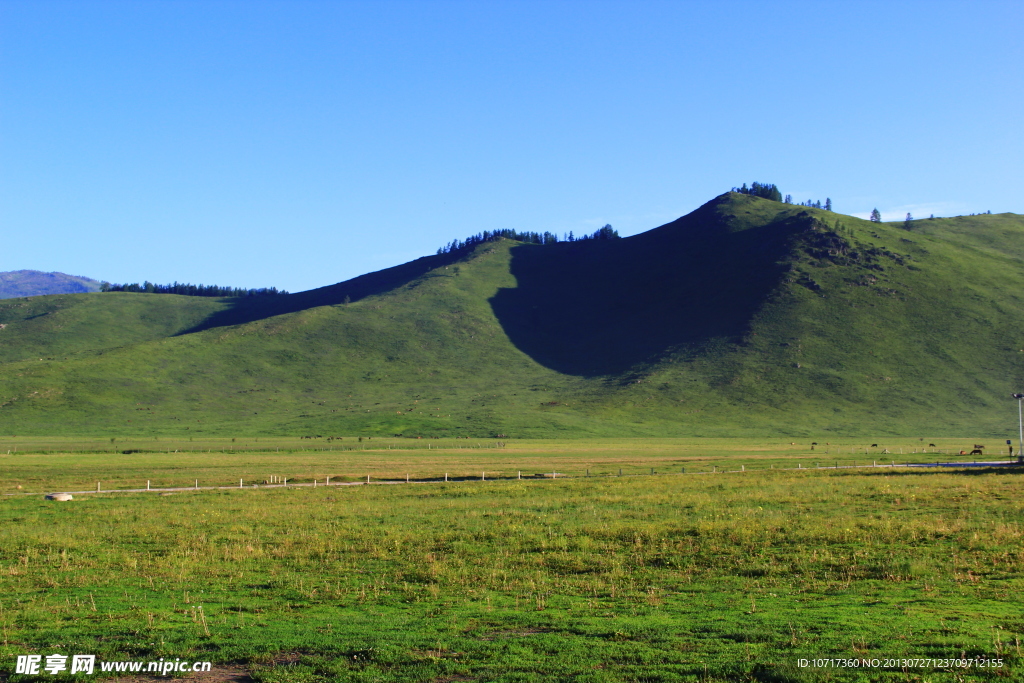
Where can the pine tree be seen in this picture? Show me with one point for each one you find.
(828, 203)
(876, 216)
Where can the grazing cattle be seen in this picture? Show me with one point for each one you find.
(976, 451)
(874, 445)
(931, 445)
(978, 445)
(963, 452)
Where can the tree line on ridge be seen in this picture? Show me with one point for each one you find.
(605, 233)
(187, 289)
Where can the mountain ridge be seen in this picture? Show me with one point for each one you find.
(745, 317)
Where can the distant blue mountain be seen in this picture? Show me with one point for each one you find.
(17, 283)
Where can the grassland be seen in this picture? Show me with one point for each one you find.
(689, 577)
(744, 318)
(49, 464)
(793, 348)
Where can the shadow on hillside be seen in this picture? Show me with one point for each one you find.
(246, 310)
(599, 308)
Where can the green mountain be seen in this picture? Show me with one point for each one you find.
(747, 317)
(16, 283)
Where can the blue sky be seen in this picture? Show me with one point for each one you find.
(299, 143)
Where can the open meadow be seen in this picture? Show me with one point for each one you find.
(701, 572)
(47, 464)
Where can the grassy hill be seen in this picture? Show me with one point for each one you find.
(745, 317)
(16, 283)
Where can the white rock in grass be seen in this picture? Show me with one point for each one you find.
(59, 496)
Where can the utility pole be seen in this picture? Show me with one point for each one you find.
(1020, 418)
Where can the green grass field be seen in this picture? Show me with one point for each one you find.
(732, 576)
(701, 416)
(48, 464)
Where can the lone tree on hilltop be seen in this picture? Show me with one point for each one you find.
(876, 216)
(906, 221)
(828, 203)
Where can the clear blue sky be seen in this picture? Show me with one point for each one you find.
(301, 143)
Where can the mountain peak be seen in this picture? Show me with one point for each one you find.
(18, 283)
